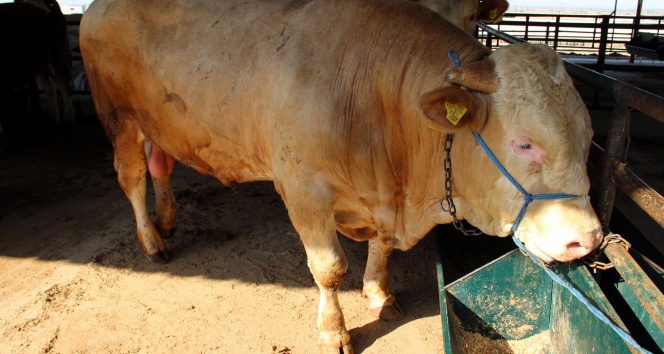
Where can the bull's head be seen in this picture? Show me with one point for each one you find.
(537, 126)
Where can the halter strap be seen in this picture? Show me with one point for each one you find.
(529, 197)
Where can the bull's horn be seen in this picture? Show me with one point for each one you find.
(478, 76)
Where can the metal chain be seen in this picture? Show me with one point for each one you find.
(451, 208)
(592, 260)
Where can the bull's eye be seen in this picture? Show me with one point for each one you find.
(472, 17)
(523, 145)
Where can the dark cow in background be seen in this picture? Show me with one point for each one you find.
(33, 42)
(466, 13)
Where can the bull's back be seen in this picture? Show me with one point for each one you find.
(232, 82)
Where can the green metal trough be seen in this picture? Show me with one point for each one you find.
(511, 305)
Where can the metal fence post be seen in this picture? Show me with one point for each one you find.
(555, 35)
(489, 40)
(615, 149)
(604, 37)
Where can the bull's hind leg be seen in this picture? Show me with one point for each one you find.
(161, 166)
(131, 165)
(310, 209)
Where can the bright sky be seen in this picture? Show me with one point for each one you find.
(648, 5)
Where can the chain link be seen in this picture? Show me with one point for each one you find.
(447, 204)
(592, 260)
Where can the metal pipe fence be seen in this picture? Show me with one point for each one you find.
(576, 34)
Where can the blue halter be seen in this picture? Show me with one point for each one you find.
(529, 197)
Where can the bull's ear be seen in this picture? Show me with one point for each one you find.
(448, 108)
(492, 11)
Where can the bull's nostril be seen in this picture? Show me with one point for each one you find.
(573, 245)
(577, 249)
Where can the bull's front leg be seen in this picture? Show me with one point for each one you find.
(381, 301)
(311, 213)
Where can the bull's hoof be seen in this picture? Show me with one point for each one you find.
(345, 349)
(159, 257)
(165, 233)
(389, 313)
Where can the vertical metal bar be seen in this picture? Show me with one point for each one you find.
(525, 35)
(609, 42)
(637, 21)
(555, 35)
(615, 149)
(604, 36)
(489, 40)
(594, 33)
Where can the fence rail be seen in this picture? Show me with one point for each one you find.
(576, 34)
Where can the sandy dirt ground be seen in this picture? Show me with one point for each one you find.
(74, 279)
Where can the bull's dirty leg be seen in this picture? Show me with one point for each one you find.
(312, 215)
(381, 302)
(328, 265)
(131, 165)
(164, 207)
(161, 166)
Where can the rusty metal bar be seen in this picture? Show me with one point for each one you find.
(643, 195)
(638, 281)
(615, 150)
(501, 35)
(643, 101)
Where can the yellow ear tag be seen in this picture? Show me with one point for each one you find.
(493, 13)
(498, 19)
(454, 112)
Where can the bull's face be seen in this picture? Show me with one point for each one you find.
(539, 129)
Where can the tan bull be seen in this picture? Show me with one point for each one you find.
(347, 114)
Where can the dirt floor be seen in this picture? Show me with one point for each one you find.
(74, 279)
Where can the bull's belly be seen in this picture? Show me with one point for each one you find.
(229, 161)
(236, 165)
